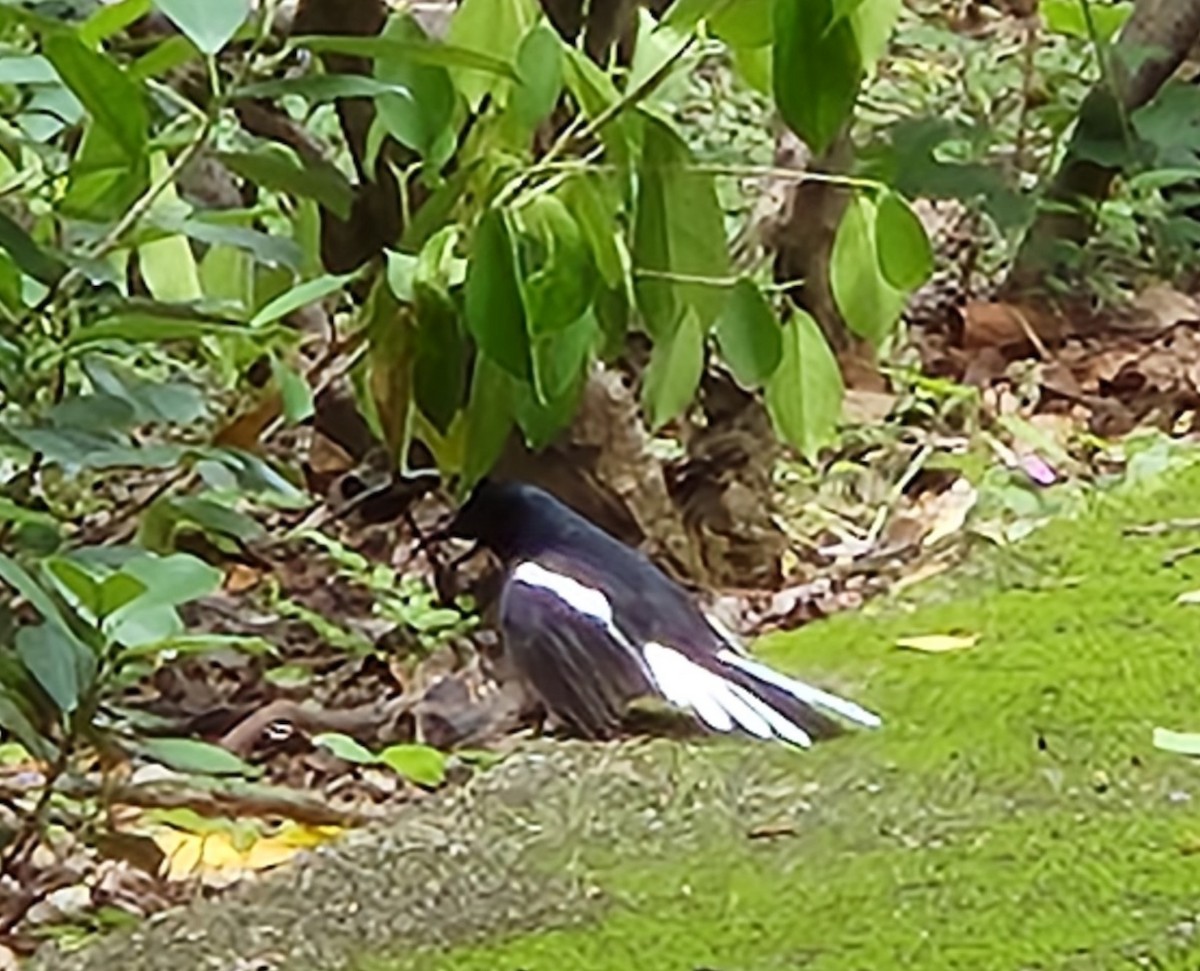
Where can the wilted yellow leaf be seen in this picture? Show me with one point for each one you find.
(224, 853)
(939, 643)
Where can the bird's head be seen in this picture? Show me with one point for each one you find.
(496, 514)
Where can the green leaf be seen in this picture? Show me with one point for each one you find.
(169, 268)
(674, 371)
(560, 357)
(867, 302)
(408, 50)
(172, 580)
(111, 19)
(817, 70)
(116, 591)
(401, 268)
(44, 266)
(12, 512)
(590, 201)
(58, 662)
(300, 296)
(1180, 743)
(440, 362)
(422, 118)
(16, 722)
(320, 88)
(873, 22)
(283, 171)
(193, 756)
(15, 576)
(417, 763)
(679, 231)
(495, 311)
(77, 580)
(1068, 17)
(294, 390)
(167, 401)
(110, 96)
(540, 64)
(489, 418)
(804, 395)
(346, 748)
(749, 335)
(147, 328)
(905, 253)
(493, 28)
(209, 24)
(744, 23)
(557, 276)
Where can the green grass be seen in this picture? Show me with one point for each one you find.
(1012, 813)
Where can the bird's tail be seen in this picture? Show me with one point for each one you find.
(730, 692)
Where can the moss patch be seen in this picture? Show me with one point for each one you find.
(1012, 813)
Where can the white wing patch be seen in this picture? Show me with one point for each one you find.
(578, 596)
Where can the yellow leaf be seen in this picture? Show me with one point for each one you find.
(1189, 597)
(939, 643)
(227, 853)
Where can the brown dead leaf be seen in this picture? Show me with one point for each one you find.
(241, 577)
(1156, 309)
(867, 407)
(994, 324)
(247, 428)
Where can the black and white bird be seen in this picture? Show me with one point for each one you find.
(592, 625)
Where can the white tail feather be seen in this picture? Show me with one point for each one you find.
(801, 691)
(715, 701)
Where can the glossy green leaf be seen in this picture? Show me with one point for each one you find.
(417, 763)
(266, 248)
(12, 573)
(421, 119)
(300, 296)
(1068, 17)
(112, 18)
(493, 28)
(905, 253)
(110, 95)
(679, 236)
(346, 748)
(749, 335)
(673, 374)
(495, 311)
(817, 70)
(209, 24)
(294, 391)
(540, 64)
(409, 50)
(194, 757)
(320, 88)
(440, 362)
(58, 662)
(139, 328)
(281, 171)
(873, 22)
(869, 305)
(804, 395)
(592, 202)
(557, 276)
(169, 269)
(116, 591)
(41, 264)
(744, 23)
(77, 580)
(173, 580)
(489, 418)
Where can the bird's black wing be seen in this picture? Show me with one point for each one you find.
(583, 669)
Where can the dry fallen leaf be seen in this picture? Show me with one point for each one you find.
(219, 853)
(938, 643)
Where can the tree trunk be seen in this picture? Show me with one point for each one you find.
(1156, 39)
